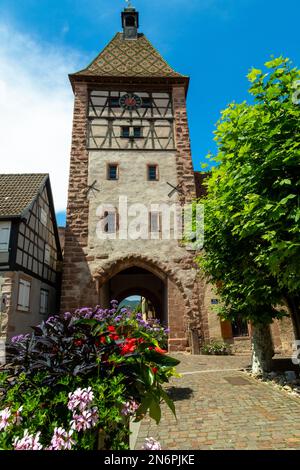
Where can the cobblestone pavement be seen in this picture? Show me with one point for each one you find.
(220, 407)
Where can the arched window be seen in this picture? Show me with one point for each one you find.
(130, 21)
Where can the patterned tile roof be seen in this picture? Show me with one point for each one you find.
(17, 192)
(129, 58)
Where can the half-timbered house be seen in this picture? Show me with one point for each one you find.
(30, 253)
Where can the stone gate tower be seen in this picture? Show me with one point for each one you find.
(130, 146)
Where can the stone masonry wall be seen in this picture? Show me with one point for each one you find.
(90, 262)
(75, 266)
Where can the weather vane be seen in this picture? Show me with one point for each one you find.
(128, 3)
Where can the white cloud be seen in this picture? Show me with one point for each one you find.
(35, 109)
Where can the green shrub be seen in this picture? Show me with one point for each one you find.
(216, 348)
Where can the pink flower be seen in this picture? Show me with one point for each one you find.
(28, 442)
(62, 440)
(81, 398)
(151, 444)
(4, 418)
(129, 408)
(87, 420)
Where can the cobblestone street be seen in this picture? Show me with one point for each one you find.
(220, 407)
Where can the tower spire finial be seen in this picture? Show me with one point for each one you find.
(130, 21)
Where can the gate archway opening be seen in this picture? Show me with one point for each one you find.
(138, 282)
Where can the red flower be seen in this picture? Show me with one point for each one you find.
(151, 348)
(111, 329)
(114, 337)
(78, 342)
(102, 339)
(160, 351)
(154, 370)
(129, 346)
(141, 340)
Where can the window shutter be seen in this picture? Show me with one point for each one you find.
(47, 254)
(44, 301)
(4, 235)
(24, 295)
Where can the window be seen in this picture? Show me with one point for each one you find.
(110, 223)
(152, 172)
(131, 132)
(137, 132)
(44, 217)
(47, 254)
(112, 172)
(114, 102)
(44, 299)
(239, 328)
(147, 102)
(125, 132)
(4, 235)
(154, 220)
(24, 295)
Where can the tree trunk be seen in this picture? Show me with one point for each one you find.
(294, 310)
(262, 349)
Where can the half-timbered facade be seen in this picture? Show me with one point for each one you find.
(30, 254)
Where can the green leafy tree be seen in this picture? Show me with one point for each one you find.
(252, 211)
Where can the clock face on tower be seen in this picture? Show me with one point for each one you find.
(130, 101)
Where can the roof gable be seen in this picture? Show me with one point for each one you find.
(129, 58)
(18, 191)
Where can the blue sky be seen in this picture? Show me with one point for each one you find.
(216, 42)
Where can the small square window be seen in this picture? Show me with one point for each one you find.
(114, 102)
(152, 173)
(137, 132)
(147, 102)
(125, 132)
(112, 172)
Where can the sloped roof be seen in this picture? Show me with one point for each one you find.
(18, 191)
(129, 58)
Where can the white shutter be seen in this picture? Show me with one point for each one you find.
(24, 295)
(44, 301)
(44, 217)
(47, 254)
(4, 235)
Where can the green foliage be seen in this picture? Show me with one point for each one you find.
(216, 348)
(115, 352)
(252, 211)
